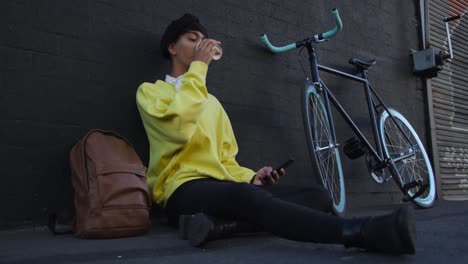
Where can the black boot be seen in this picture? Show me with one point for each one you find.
(392, 234)
(201, 228)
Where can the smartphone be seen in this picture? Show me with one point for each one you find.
(284, 165)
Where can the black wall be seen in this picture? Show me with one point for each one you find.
(70, 66)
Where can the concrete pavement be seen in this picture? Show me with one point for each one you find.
(442, 236)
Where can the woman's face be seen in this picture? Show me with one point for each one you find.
(183, 50)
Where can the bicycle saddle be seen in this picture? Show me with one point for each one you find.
(362, 64)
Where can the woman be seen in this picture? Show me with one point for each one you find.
(193, 173)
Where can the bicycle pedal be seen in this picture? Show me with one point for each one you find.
(422, 188)
(353, 148)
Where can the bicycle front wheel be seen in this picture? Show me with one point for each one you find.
(415, 167)
(322, 147)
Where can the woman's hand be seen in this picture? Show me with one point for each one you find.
(265, 176)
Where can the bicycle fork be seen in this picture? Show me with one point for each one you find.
(318, 86)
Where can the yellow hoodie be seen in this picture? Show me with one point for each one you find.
(189, 133)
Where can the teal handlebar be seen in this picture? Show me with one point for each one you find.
(274, 49)
(316, 38)
(339, 25)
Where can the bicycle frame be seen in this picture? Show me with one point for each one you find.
(377, 153)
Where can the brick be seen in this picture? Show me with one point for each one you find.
(115, 16)
(23, 37)
(68, 18)
(36, 135)
(52, 101)
(44, 64)
(2, 83)
(17, 12)
(134, 6)
(14, 59)
(83, 49)
(152, 7)
(40, 191)
(77, 48)
(257, 6)
(392, 8)
(61, 7)
(108, 40)
(285, 13)
(15, 83)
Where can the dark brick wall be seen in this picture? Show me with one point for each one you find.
(69, 66)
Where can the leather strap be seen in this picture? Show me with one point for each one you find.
(58, 229)
(121, 168)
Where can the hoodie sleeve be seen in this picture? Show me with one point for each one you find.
(174, 115)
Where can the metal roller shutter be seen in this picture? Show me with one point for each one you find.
(450, 98)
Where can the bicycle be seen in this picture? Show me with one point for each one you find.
(398, 152)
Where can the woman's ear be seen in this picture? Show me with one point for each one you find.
(171, 49)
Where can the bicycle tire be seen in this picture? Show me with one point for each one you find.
(323, 152)
(417, 167)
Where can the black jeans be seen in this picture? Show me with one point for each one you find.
(296, 213)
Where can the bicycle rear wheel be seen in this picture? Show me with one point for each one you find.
(413, 168)
(323, 150)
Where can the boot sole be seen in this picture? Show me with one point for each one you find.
(199, 228)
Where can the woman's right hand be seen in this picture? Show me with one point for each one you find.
(205, 51)
(266, 176)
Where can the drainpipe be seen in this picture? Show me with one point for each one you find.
(427, 84)
(422, 16)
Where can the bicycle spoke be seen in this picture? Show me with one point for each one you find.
(325, 150)
(329, 161)
(413, 171)
(403, 145)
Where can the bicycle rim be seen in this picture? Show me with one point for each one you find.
(413, 168)
(325, 156)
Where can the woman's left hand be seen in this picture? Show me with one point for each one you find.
(266, 176)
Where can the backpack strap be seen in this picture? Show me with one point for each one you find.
(137, 169)
(59, 229)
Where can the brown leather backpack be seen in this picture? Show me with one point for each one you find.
(112, 198)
